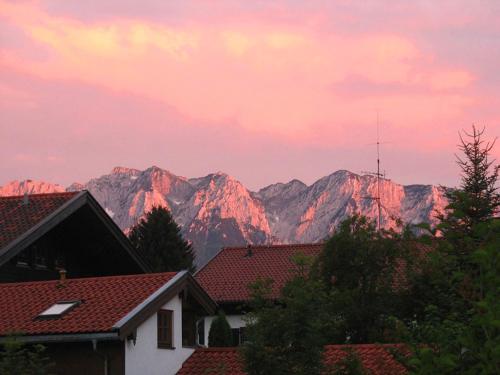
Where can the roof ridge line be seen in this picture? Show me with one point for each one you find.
(93, 278)
(273, 245)
(41, 194)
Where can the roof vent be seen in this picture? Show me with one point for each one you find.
(26, 199)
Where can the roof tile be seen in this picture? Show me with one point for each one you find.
(16, 217)
(104, 301)
(227, 276)
(376, 358)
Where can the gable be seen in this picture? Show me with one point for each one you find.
(72, 223)
(19, 214)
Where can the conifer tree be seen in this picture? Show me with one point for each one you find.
(220, 332)
(462, 335)
(158, 238)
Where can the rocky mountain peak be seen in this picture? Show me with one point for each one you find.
(218, 210)
(29, 186)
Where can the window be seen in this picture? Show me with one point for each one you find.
(58, 309)
(165, 332)
(238, 335)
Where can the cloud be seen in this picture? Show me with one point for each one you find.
(264, 77)
(300, 74)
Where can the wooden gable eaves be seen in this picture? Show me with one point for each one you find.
(39, 229)
(180, 282)
(62, 213)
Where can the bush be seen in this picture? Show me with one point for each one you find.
(220, 332)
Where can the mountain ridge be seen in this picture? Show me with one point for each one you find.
(218, 210)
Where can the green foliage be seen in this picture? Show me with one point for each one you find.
(477, 198)
(359, 267)
(159, 239)
(376, 286)
(16, 358)
(287, 337)
(220, 332)
(461, 327)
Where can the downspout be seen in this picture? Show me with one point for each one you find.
(103, 356)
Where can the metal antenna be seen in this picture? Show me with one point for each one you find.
(378, 175)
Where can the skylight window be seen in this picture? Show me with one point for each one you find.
(58, 309)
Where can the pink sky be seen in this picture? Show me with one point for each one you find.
(266, 91)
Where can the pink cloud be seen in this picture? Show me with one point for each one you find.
(256, 69)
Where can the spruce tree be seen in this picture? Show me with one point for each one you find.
(476, 200)
(463, 334)
(158, 238)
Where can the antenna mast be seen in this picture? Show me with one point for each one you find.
(378, 174)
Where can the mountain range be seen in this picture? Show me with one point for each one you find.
(217, 210)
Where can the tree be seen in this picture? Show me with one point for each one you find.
(16, 358)
(360, 267)
(477, 200)
(220, 332)
(159, 239)
(287, 336)
(463, 334)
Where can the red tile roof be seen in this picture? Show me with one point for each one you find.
(104, 301)
(227, 276)
(16, 218)
(376, 358)
(213, 361)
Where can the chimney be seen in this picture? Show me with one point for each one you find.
(26, 199)
(62, 277)
(249, 251)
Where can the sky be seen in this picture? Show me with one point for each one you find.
(266, 91)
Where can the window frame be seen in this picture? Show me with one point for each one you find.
(52, 312)
(164, 342)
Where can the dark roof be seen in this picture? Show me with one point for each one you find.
(104, 301)
(226, 277)
(17, 217)
(21, 223)
(376, 358)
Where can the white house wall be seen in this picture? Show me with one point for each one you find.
(145, 358)
(235, 321)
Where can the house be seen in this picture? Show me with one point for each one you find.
(116, 325)
(227, 276)
(377, 359)
(43, 233)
